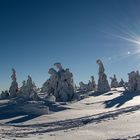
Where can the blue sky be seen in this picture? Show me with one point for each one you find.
(34, 34)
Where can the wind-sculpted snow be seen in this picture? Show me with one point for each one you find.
(26, 111)
(136, 137)
(86, 119)
(28, 130)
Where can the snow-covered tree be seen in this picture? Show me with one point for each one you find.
(14, 85)
(60, 84)
(103, 85)
(29, 90)
(121, 83)
(114, 82)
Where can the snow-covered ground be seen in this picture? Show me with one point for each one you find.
(113, 115)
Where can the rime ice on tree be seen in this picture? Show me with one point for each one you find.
(30, 85)
(60, 84)
(83, 86)
(51, 85)
(28, 89)
(114, 82)
(14, 85)
(134, 81)
(92, 84)
(4, 95)
(121, 83)
(103, 85)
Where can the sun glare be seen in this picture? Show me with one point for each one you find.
(134, 41)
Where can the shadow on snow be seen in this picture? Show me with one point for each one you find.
(72, 123)
(120, 100)
(18, 113)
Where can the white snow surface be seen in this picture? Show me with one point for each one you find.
(111, 115)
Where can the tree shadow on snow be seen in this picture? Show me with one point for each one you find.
(95, 94)
(76, 122)
(120, 100)
(108, 94)
(10, 111)
(18, 113)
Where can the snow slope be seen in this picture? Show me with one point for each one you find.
(113, 115)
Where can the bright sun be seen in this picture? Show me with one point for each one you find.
(134, 40)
